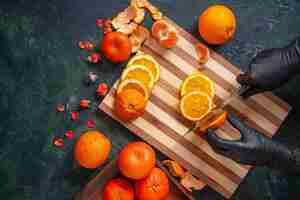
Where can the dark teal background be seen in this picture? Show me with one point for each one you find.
(40, 67)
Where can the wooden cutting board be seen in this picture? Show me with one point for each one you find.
(94, 189)
(163, 126)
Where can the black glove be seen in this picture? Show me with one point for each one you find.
(270, 69)
(255, 149)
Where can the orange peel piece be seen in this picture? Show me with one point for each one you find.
(190, 182)
(174, 168)
(127, 29)
(124, 17)
(138, 37)
(140, 15)
(139, 3)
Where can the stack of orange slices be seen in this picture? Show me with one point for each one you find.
(136, 83)
(197, 93)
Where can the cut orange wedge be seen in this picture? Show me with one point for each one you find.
(198, 82)
(164, 33)
(140, 73)
(202, 52)
(214, 123)
(195, 105)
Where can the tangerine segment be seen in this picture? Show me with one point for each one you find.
(215, 123)
(195, 105)
(147, 61)
(202, 52)
(140, 73)
(198, 82)
(133, 84)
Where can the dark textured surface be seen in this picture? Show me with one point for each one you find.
(40, 67)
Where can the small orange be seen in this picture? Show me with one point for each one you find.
(129, 104)
(215, 122)
(92, 149)
(217, 24)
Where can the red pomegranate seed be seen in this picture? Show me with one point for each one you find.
(69, 134)
(74, 116)
(90, 123)
(58, 142)
(100, 22)
(92, 76)
(94, 58)
(60, 107)
(84, 103)
(102, 89)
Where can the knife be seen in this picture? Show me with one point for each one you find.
(218, 109)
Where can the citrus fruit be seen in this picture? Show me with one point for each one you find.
(140, 73)
(165, 33)
(195, 105)
(133, 84)
(129, 104)
(202, 52)
(154, 187)
(92, 149)
(217, 24)
(116, 47)
(198, 82)
(117, 189)
(215, 122)
(136, 160)
(147, 61)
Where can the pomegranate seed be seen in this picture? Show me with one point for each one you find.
(100, 22)
(82, 44)
(84, 103)
(92, 77)
(60, 107)
(102, 89)
(94, 58)
(58, 142)
(69, 134)
(107, 23)
(90, 123)
(74, 116)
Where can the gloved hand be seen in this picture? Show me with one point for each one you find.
(270, 69)
(254, 148)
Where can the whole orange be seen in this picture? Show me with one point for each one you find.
(92, 149)
(129, 104)
(217, 24)
(154, 187)
(136, 160)
(118, 189)
(116, 47)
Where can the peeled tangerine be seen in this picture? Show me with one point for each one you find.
(164, 33)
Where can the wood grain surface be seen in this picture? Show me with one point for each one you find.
(163, 126)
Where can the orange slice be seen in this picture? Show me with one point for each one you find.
(198, 82)
(140, 73)
(138, 37)
(215, 123)
(195, 105)
(147, 61)
(133, 84)
(202, 52)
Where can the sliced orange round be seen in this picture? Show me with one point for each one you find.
(133, 84)
(140, 73)
(147, 61)
(195, 105)
(198, 82)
